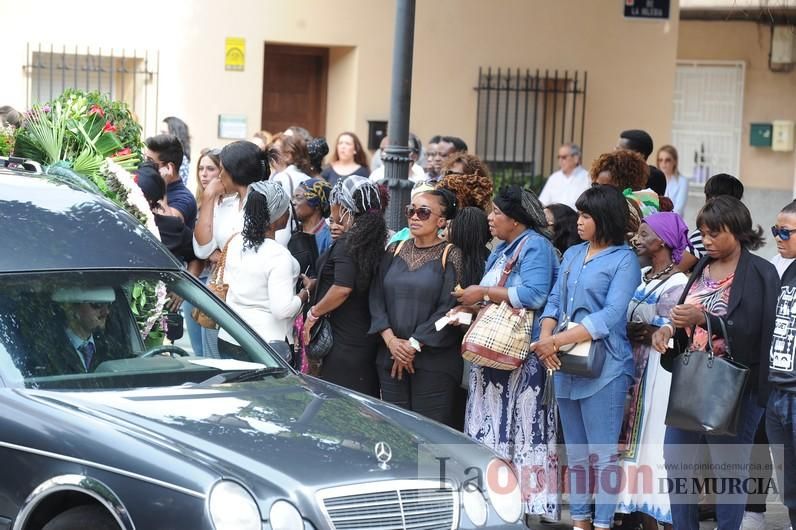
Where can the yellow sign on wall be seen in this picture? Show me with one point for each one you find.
(235, 57)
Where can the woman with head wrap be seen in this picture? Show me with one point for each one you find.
(345, 272)
(420, 368)
(662, 238)
(311, 204)
(504, 408)
(260, 272)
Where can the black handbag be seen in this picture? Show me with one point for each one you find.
(321, 336)
(321, 340)
(707, 391)
(584, 359)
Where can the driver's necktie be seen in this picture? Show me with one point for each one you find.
(87, 349)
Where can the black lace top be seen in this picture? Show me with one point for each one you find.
(412, 291)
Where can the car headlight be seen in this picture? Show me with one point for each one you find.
(504, 490)
(285, 516)
(233, 508)
(474, 504)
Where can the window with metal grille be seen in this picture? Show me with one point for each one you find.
(122, 75)
(523, 118)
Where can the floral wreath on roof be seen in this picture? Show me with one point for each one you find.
(95, 143)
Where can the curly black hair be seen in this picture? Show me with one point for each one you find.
(256, 218)
(365, 239)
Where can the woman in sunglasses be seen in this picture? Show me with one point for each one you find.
(730, 284)
(504, 408)
(419, 367)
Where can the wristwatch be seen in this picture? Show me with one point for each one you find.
(486, 295)
(414, 343)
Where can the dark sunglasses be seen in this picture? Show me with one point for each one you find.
(782, 233)
(99, 305)
(423, 213)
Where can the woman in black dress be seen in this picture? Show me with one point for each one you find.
(344, 276)
(419, 367)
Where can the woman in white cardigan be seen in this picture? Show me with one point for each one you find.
(260, 272)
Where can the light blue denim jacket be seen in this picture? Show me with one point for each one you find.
(599, 292)
(534, 274)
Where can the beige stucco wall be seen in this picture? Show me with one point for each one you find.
(630, 63)
(768, 95)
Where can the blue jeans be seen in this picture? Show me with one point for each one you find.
(781, 430)
(194, 329)
(591, 434)
(682, 461)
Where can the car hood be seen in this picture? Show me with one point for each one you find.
(285, 434)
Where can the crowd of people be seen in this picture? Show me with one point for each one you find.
(601, 254)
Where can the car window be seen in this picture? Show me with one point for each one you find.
(108, 329)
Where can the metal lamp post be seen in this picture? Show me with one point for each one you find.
(396, 157)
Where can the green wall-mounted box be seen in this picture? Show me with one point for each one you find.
(760, 134)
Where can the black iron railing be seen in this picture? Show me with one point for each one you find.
(523, 118)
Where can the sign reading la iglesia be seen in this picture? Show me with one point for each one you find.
(649, 9)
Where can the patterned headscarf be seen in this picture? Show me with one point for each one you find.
(278, 201)
(316, 193)
(343, 194)
(523, 206)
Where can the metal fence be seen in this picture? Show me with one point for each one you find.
(523, 118)
(123, 75)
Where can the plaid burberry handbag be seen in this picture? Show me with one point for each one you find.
(500, 337)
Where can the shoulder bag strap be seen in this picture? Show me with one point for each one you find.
(445, 255)
(398, 247)
(510, 264)
(222, 261)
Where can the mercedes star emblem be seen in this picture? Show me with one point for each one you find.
(383, 454)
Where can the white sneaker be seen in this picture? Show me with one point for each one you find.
(753, 521)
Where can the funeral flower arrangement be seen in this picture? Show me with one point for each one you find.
(96, 143)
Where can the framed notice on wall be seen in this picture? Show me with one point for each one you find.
(647, 9)
(232, 126)
(235, 56)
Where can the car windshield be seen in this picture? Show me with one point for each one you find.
(92, 330)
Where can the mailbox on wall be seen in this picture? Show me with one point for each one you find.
(760, 135)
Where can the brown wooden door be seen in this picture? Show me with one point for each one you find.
(294, 88)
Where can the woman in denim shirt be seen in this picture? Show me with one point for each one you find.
(601, 276)
(504, 409)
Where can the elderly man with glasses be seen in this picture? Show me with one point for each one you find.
(565, 185)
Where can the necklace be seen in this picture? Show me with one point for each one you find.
(648, 278)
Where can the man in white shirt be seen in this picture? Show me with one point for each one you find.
(416, 172)
(565, 185)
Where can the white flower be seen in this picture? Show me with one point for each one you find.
(135, 197)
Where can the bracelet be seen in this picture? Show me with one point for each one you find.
(311, 315)
(668, 326)
(555, 346)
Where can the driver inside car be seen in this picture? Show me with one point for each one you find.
(84, 340)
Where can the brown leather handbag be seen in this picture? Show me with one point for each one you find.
(216, 286)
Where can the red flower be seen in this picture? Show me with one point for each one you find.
(109, 127)
(135, 177)
(123, 152)
(96, 109)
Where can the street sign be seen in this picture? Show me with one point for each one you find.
(647, 9)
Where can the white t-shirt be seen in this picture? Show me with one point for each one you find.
(289, 178)
(417, 175)
(563, 189)
(262, 288)
(781, 264)
(227, 219)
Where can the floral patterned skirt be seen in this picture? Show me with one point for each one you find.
(506, 413)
